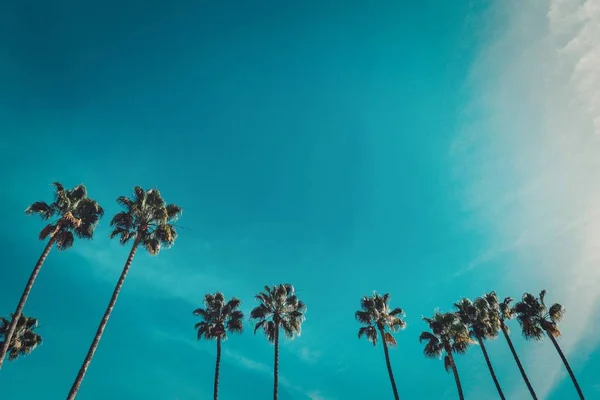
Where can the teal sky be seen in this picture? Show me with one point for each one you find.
(430, 149)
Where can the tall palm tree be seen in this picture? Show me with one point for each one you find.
(503, 312)
(71, 213)
(379, 318)
(535, 319)
(24, 340)
(482, 326)
(147, 220)
(448, 335)
(218, 318)
(279, 308)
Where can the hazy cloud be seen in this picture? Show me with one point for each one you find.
(528, 158)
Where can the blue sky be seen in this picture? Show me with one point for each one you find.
(422, 149)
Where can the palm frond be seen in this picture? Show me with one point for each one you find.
(397, 312)
(64, 240)
(427, 336)
(235, 325)
(259, 325)
(447, 363)
(173, 212)
(154, 199)
(44, 210)
(78, 193)
(202, 313)
(125, 202)
(123, 220)
(364, 317)
(48, 229)
(556, 313)
(166, 234)
(152, 245)
(139, 194)
(433, 349)
(389, 339)
(542, 295)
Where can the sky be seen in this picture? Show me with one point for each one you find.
(433, 150)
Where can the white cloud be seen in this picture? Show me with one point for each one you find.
(529, 161)
(316, 395)
(309, 355)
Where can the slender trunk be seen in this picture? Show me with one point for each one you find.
(389, 365)
(276, 370)
(561, 354)
(489, 364)
(216, 390)
(17, 314)
(516, 357)
(103, 322)
(461, 396)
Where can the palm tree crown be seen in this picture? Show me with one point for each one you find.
(501, 311)
(73, 213)
(219, 317)
(535, 318)
(147, 219)
(279, 307)
(24, 340)
(479, 318)
(448, 334)
(377, 316)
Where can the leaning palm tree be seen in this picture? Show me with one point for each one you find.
(279, 308)
(535, 319)
(24, 340)
(482, 326)
(147, 220)
(218, 318)
(71, 214)
(448, 335)
(379, 318)
(503, 312)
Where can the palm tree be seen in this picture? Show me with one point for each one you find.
(218, 318)
(482, 326)
(448, 335)
(279, 308)
(146, 220)
(378, 318)
(24, 340)
(502, 311)
(535, 319)
(72, 213)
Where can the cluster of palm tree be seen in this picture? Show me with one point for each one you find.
(472, 322)
(279, 309)
(147, 221)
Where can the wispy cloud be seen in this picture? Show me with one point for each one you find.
(168, 275)
(529, 159)
(316, 395)
(309, 355)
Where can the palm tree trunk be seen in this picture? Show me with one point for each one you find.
(569, 370)
(25, 295)
(461, 396)
(389, 365)
(516, 357)
(103, 322)
(276, 369)
(216, 390)
(489, 364)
